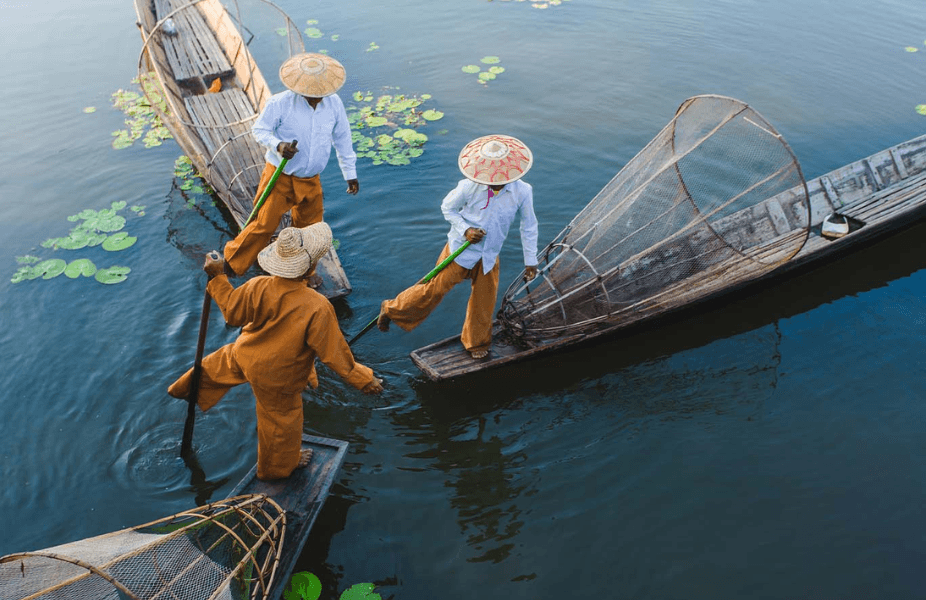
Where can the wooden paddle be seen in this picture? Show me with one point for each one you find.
(425, 279)
(186, 446)
(270, 184)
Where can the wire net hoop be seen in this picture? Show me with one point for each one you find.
(226, 550)
(716, 198)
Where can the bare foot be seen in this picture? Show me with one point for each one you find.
(305, 457)
(478, 354)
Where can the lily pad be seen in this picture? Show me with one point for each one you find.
(432, 115)
(912, 49)
(360, 591)
(89, 109)
(471, 69)
(303, 586)
(80, 267)
(497, 70)
(49, 268)
(376, 121)
(282, 31)
(119, 241)
(27, 259)
(112, 275)
(490, 60)
(486, 76)
(313, 32)
(921, 108)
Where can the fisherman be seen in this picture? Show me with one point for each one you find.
(312, 114)
(480, 210)
(285, 326)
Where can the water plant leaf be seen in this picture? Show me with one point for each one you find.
(486, 76)
(432, 115)
(471, 69)
(496, 70)
(89, 109)
(49, 268)
(376, 121)
(360, 591)
(335, 37)
(490, 60)
(372, 47)
(357, 96)
(303, 586)
(80, 267)
(912, 49)
(27, 259)
(312, 22)
(282, 31)
(118, 204)
(23, 274)
(119, 241)
(313, 32)
(112, 275)
(921, 108)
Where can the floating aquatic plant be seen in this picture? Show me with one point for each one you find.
(282, 31)
(92, 229)
(360, 591)
(921, 108)
(490, 73)
(192, 184)
(313, 32)
(372, 47)
(141, 118)
(384, 128)
(89, 109)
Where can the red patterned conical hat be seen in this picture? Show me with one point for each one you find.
(495, 159)
(312, 75)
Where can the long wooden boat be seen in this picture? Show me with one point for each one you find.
(877, 195)
(189, 48)
(244, 546)
(301, 496)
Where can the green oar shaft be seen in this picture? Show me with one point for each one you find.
(440, 267)
(267, 189)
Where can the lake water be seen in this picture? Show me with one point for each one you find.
(770, 447)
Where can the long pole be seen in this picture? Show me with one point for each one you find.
(425, 279)
(269, 186)
(186, 446)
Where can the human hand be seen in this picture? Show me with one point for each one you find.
(214, 265)
(287, 150)
(530, 272)
(474, 235)
(374, 387)
(353, 186)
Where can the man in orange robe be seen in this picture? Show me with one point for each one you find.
(285, 326)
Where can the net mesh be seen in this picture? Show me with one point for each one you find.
(716, 198)
(226, 550)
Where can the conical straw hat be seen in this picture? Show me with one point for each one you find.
(295, 250)
(312, 75)
(495, 159)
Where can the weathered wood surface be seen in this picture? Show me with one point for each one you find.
(885, 192)
(213, 129)
(301, 495)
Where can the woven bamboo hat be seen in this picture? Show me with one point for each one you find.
(495, 159)
(296, 250)
(312, 75)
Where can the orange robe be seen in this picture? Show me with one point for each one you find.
(411, 307)
(285, 326)
(302, 196)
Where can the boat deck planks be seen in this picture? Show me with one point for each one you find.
(301, 495)
(193, 51)
(883, 193)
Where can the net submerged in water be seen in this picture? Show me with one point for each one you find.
(226, 550)
(715, 199)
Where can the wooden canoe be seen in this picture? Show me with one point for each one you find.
(301, 496)
(189, 45)
(878, 195)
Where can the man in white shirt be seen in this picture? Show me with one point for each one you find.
(310, 113)
(481, 210)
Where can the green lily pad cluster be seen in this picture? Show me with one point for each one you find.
(490, 73)
(384, 129)
(141, 119)
(96, 228)
(192, 183)
(306, 586)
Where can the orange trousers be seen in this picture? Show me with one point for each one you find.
(279, 412)
(303, 197)
(411, 307)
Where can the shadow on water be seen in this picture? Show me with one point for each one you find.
(203, 487)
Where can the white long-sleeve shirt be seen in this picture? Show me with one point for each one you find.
(468, 205)
(287, 116)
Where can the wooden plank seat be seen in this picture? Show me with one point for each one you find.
(880, 205)
(220, 117)
(193, 52)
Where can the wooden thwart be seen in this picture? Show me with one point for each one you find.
(193, 51)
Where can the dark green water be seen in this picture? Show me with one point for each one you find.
(768, 448)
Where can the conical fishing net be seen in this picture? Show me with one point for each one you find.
(715, 199)
(225, 550)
